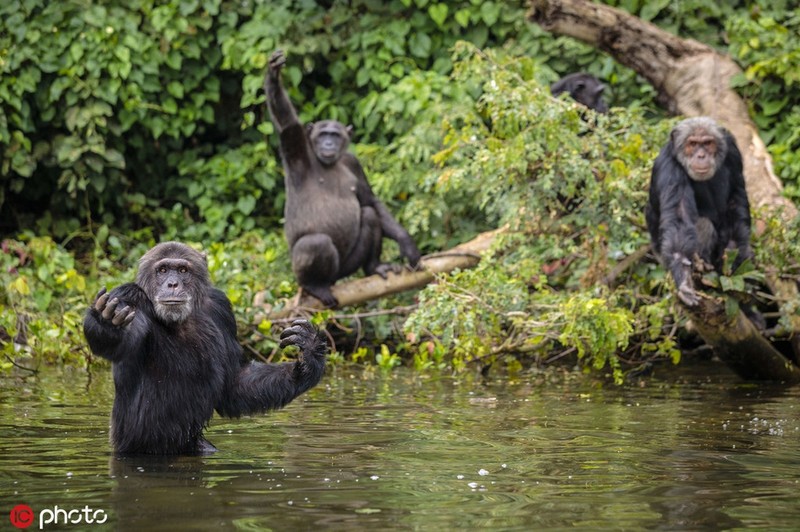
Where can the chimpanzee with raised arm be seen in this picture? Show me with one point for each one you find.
(333, 222)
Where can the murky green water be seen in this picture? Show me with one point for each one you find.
(366, 451)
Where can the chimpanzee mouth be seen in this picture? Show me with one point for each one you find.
(172, 301)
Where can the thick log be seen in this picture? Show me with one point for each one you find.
(738, 343)
(364, 289)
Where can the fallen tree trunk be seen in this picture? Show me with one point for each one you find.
(692, 79)
(738, 343)
(364, 289)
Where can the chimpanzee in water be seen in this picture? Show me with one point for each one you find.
(584, 89)
(698, 202)
(171, 337)
(333, 222)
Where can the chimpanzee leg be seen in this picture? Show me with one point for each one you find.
(366, 253)
(707, 241)
(315, 263)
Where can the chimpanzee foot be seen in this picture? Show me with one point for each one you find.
(323, 293)
(383, 269)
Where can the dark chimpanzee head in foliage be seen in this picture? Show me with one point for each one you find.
(176, 279)
(329, 140)
(699, 145)
(584, 89)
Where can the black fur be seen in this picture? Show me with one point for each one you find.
(170, 376)
(686, 217)
(334, 223)
(584, 89)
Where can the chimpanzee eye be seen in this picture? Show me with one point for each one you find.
(183, 269)
(162, 269)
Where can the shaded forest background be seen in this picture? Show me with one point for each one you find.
(127, 123)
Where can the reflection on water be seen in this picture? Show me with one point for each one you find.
(369, 451)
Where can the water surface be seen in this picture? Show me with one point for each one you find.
(370, 451)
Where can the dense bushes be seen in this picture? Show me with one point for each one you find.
(124, 123)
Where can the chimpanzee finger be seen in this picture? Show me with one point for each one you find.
(277, 60)
(688, 295)
(123, 316)
(108, 311)
(299, 331)
(100, 300)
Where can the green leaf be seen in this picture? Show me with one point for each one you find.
(438, 13)
(462, 17)
(420, 45)
(490, 12)
(246, 204)
(175, 88)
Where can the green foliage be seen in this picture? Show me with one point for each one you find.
(127, 123)
(94, 98)
(597, 328)
(468, 312)
(571, 186)
(768, 42)
(38, 301)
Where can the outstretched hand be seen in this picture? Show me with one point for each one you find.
(301, 334)
(276, 63)
(687, 293)
(107, 308)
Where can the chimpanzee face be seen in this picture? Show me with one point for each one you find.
(591, 95)
(175, 278)
(701, 152)
(173, 289)
(584, 89)
(329, 139)
(700, 147)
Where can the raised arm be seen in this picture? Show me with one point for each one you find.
(295, 148)
(280, 107)
(259, 387)
(118, 322)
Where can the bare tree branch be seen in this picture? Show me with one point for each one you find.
(364, 289)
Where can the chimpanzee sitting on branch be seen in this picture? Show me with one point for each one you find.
(333, 222)
(698, 202)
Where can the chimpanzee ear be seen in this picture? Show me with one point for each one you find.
(349, 131)
(309, 128)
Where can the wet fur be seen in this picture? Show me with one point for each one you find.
(170, 377)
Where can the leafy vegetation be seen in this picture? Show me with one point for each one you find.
(127, 123)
